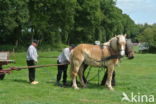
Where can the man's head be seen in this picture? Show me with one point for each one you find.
(72, 46)
(35, 43)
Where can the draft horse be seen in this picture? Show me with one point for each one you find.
(129, 53)
(93, 54)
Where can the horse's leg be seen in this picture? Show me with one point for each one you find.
(74, 72)
(76, 61)
(81, 70)
(103, 82)
(109, 77)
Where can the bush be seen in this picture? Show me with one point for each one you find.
(11, 48)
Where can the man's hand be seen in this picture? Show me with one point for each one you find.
(36, 62)
(68, 62)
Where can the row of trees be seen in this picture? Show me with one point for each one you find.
(147, 34)
(62, 21)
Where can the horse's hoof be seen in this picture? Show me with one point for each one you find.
(84, 86)
(76, 88)
(111, 88)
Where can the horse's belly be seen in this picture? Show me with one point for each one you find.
(93, 62)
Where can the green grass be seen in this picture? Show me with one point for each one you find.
(137, 76)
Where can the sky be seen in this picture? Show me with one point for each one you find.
(141, 11)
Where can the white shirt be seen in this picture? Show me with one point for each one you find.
(32, 53)
(64, 57)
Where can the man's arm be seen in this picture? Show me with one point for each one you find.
(67, 55)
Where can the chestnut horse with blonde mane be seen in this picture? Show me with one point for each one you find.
(93, 54)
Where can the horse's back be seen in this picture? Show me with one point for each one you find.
(90, 54)
(86, 49)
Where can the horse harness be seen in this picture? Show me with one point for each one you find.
(104, 59)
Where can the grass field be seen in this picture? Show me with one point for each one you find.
(137, 76)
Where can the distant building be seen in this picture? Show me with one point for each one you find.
(143, 47)
(97, 42)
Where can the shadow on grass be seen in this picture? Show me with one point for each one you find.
(20, 80)
(90, 85)
(95, 86)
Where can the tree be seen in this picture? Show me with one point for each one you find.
(14, 15)
(148, 35)
(55, 22)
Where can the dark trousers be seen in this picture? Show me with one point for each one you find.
(31, 70)
(103, 82)
(84, 69)
(62, 68)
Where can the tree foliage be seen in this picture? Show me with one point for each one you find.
(62, 21)
(148, 34)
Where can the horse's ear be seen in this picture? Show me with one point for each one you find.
(125, 35)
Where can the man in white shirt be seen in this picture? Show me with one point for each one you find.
(32, 60)
(63, 58)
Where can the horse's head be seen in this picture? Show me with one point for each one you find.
(129, 49)
(118, 44)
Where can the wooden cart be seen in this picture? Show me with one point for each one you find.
(4, 60)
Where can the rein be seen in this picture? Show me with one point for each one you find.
(108, 57)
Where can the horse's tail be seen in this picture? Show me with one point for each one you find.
(71, 64)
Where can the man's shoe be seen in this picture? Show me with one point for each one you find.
(65, 84)
(58, 84)
(34, 82)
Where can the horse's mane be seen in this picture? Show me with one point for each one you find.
(112, 42)
(108, 42)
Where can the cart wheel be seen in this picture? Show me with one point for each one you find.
(2, 76)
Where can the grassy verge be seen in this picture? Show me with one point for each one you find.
(137, 76)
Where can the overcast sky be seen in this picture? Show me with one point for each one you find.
(141, 11)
